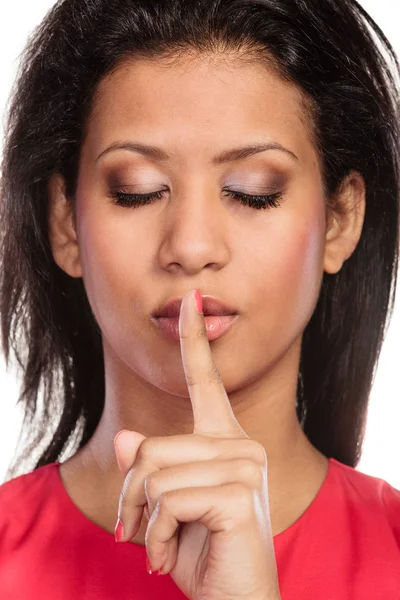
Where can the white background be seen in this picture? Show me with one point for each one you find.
(382, 443)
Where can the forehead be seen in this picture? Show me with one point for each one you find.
(197, 106)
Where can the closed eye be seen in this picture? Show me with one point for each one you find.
(258, 202)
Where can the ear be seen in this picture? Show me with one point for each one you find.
(345, 222)
(62, 227)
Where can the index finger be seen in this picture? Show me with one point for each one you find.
(212, 411)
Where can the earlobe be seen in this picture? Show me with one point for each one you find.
(61, 228)
(345, 222)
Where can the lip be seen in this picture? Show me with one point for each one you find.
(216, 326)
(212, 306)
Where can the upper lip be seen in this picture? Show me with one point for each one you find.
(211, 306)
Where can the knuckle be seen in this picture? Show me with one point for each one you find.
(258, 452)
(202, 331)
(251, 471)
(146, 449)
(213, 375)
(163, 502)
(150, 485)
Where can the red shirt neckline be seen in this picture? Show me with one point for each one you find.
(319, 499)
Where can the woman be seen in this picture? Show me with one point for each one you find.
(248, 151)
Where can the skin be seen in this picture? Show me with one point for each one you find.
(267, 264)
(206, 492)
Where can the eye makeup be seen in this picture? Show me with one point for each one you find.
(129, 200)
(244, 186)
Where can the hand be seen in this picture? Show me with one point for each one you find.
(206, 493)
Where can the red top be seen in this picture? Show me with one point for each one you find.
(345, 546)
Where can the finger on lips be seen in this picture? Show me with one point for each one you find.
(168, 474)
(212, 411)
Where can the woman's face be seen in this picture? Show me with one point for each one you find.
(267, 264)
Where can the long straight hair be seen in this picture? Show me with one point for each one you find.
(347, 74)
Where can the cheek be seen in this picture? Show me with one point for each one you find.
(300, 263)
(112, 261)
(293, 268)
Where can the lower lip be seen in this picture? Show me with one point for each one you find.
(216, 326)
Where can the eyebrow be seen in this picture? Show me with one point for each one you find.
(226, 156)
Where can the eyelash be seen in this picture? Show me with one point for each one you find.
(256, 202)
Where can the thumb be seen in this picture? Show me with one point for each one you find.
(126, 445)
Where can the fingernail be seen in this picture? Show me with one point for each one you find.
(148, 566)
(119, 531)
(198, 301)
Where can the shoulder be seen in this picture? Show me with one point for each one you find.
(28, 484)
(367, 487)
(373, 496)
(23, 497)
